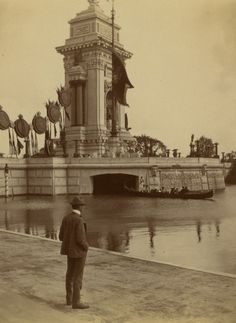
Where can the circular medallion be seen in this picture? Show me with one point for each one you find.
(64, 97)
(39, 124)
(4, 120)
(53, 112)
(22, 128)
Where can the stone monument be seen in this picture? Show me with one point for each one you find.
(88, 77)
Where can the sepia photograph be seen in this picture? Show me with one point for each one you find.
(117, 161)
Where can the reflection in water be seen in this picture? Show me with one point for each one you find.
(27, 223)
(217, 225)
(117, 241)
(127, 239)
(31, 227)
(114, 241)
(50, 230)
(152, 233)
(199, 231)
(6, 220)
(129, 225)
(33, 218)
(151, 229)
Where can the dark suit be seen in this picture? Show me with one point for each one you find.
(75, 246)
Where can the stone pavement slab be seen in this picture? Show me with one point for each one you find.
(118, 289)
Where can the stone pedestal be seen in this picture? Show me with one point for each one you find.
(114, 145)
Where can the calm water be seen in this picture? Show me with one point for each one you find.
(200, 234)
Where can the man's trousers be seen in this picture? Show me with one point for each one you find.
(74, 277)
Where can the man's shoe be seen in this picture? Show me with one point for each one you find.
(80, 306)
(68, 303)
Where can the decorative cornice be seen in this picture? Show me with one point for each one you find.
(100, 42)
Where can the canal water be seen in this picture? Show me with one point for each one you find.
(191, 233)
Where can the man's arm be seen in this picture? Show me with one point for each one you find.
(61, 233)
(81, 235)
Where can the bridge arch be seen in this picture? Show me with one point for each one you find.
(113, 183)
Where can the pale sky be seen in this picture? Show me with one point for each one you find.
(183, 68)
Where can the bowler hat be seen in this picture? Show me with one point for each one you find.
(77, 201)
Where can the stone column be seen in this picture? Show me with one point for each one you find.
(6, 173)
(27, 142)
(192, 146)
(223, 156)
(76, 153)
(73, 106)
(80, 105)
(198, 148)
(216, 150)
(96, 102)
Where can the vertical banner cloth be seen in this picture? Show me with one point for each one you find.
(10, 143)
(32, 142)
(36, 147)
(120, 80)
(14, 143)
(19, 145)
(55, 130)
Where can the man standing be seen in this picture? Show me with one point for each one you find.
(75, 246)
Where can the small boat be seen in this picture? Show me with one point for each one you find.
(196, 195)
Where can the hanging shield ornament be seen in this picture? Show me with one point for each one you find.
(22, 128)
(4, 120)
(39, 124)
(64, 96)
(53, 111)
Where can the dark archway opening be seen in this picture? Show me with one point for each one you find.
(113, 183)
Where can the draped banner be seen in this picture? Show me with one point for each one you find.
(55, 130)
(36, 143)
(64, 98)
(120, 80)
(10, 142)
(19, 146)
(14, 143)
(32, 142)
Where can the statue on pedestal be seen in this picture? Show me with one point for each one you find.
(93, 2)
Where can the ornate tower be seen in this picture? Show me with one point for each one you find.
(88, 75)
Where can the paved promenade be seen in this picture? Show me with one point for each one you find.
(118, 289)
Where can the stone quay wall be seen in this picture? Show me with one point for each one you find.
(59, 176)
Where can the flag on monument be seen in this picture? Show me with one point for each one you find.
(120, 80)
(60, 124)
(11, 152)
(126, 122)
(32, 142)
(36, 143)
(14, 143)
(55, 130)
(19, 145)
(64, 98)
